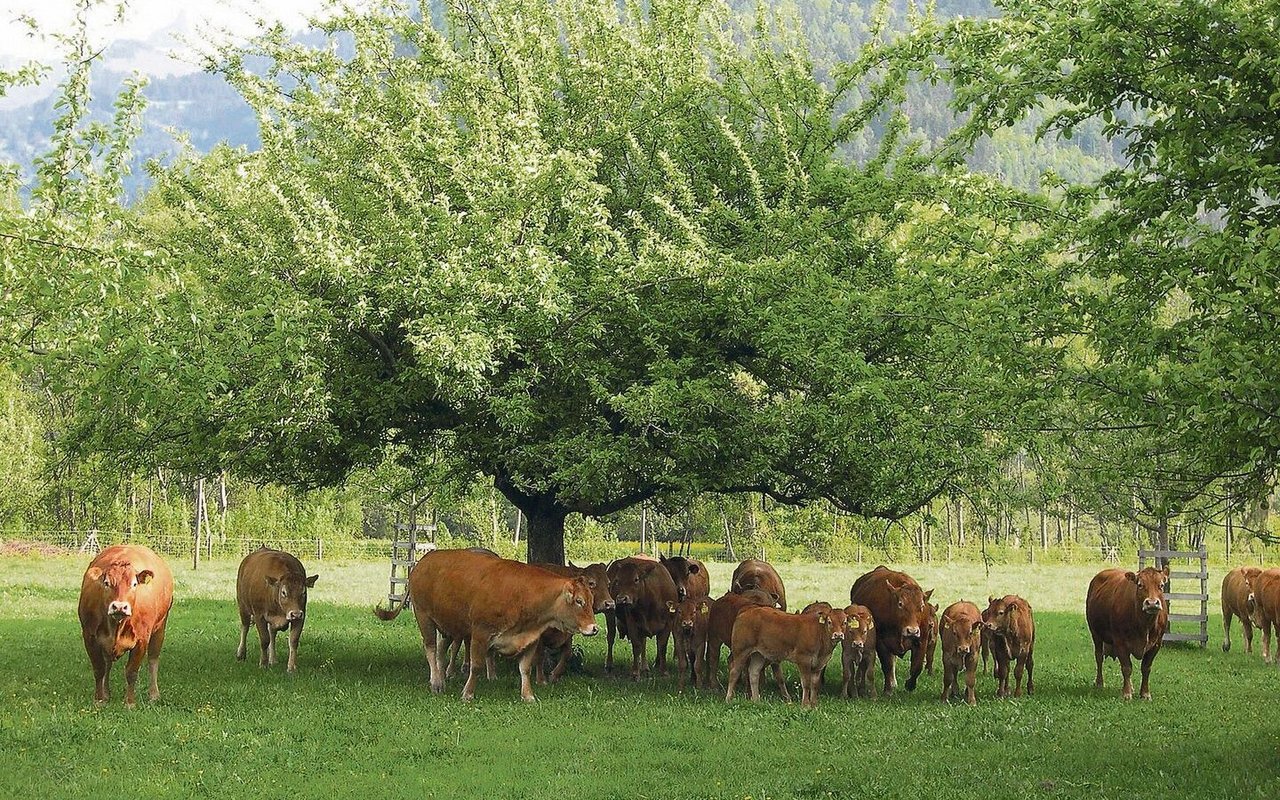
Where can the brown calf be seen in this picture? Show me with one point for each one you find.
(1263, 601)
(271, 591)
(858, 658)
(720, 627)
(1235, 603)
(770, 636)
(693, 619)
(1009, 630)
(961, 634)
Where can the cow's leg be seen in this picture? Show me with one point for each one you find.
(1097, 657)
(153, 662)
(1126, 670)
(663, 637)
(101, 663)
(1145, 690)
(539, 674)
(265, 641)
(295, 635)
(246, 619)
(713, 662)
(846, 670)
(490, 665)
(1017, 677)
(433, 647)
(781, 680)
(735, 671)
(986, 650)
(639, 661)
(611, 631)
(948, 676)
(1031, 663)
(1247, 628)
(971, 678)
(131, 668)
(887, 659)
(755, 676)
(700, 667)
(451, 647)
(683, 662)
(917, 665)
(526, 664)
(1226, 626)
(562, 665)
(479, 647)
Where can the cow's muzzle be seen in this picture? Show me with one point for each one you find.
(293, 616)
(1150, 606)
(119, 610)
(911, 633)
(609, 605)
(589, 630)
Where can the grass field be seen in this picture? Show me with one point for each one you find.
(359, 720)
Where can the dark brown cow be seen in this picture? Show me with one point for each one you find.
(901, 612)
(496, 604)
(961, 634)
(690, 576)
(858, 657)
(271, 591)
(614, 624)
(1009, 631)
(125, 597)
(1235, 603)
(693, 618)
(1263, 601)
(645, 599)
(720, 628)
(1127, 617)
(756, 574)
(560, 642)
(764, 636)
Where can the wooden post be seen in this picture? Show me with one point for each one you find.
(199, 503)
(519, 519)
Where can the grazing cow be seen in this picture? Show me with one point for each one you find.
(858, 657)
(1009, 630)
(271, 591)
(770, 636)
(495, 604)
(645, 603)
(901, 612)
(756, 574)
(720, 627)
(690, 576)
(1235, 603)
(693, 618)
(1127, 618)
(559, 642)
(961, 634)
(1263, 602)
(125, 597)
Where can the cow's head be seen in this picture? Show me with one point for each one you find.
(858, 626)
(1149, 588)
(628, 579)
(962, 633)
(680, 568)
(692, 614)
(832, 620)
(580, 615)
(598, 583)
(117, 584)
(912, 608)
(996, 615)
(290, 593)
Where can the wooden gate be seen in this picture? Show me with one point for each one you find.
(1197, 571)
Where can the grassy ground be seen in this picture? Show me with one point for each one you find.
(359, 720)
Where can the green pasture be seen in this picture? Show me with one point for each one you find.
(359, 720)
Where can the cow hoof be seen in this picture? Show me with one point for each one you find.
(1146, 696)
(1226, 646)
(529, 699)
(239, 656)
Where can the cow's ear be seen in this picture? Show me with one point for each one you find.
(272, 580)
(693, 568)
(990, 600)
(822, 617)
(311, 581)
(145, 576)
(661, 558)
(1132, 577)
(1166, 571)
(94, 573)
(927, 595)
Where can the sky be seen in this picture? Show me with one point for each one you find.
(143, 20)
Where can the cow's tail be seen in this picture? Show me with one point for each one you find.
(391, 612)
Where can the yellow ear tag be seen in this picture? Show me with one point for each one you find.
(706, 610)
(853, 624)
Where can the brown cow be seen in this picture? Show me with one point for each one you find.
(494, 603)
(929, 645)
(770, 636)
(859, 652)
(901, 612)
(720, 628)
(1263, 601)
(1127, 617)
(125, 597)
(1235, 602)
(559, 642)
(690, 576)
(756, 574)
(271, 591)
(1009, 630)
(693, 618)
(645, 600)
(961, 634)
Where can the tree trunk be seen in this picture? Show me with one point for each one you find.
(546, 534)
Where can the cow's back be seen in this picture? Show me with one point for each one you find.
(752, 573)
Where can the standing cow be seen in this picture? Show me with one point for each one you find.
(1235, 603)
(693, 616)
(493, 603)
(858, 657)
(1263, 601)
(1127, 618)
(1009, 632)
(690, 576)
(756, 574)
(763, 636)
(560, 642)
(271, 591)
(125, 597)
(961, 635)
(645, 600)
(929, 645)
(901, 612)
(724, 611)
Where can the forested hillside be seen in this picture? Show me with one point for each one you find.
(683, 273)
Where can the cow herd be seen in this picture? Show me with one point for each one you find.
(475, 601)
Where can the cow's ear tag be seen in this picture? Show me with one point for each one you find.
(853, 624)
(946, 626)
(145, 576)
(822, 618)
(671, 607)
(706, 609)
